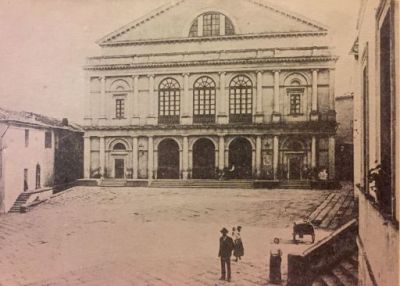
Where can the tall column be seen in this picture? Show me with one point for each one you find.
(332, 112)
(135, 157)
(103, 99)
(151, 116)
(185, 158)
(200, 26)
(276, 115)
(276, 156)
(259, 99)
(221, 25)
(86, 156)
(314, 98)
(258, 156)
(102, 155)
(221, 152)
(135, 100)
(150, 158)
(88, 116)
(186, 101)
(313, 152)
(331, 157)
(222, 105)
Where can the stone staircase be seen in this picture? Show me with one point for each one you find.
(295, 185)
(21, 200)
(345, 273)
(337, 209)
(228, 184)
(113, 183)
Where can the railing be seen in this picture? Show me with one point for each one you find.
(169, 120)
(240, 118)
(204, 119)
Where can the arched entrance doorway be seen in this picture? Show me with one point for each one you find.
(168, 160)
(294, 160)
(240, 153)
(203, 159)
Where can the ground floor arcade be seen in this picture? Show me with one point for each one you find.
(186, 154)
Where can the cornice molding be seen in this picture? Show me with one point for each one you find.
(215, 38)
(211, 62)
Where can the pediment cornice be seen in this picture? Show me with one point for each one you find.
(218, 38)
(211, 62)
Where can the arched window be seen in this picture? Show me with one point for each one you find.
(204, 100)
(119, 88)
(240, 99)
(213, 24)
(169, 101)
(119, 147)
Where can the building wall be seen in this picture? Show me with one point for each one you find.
(17, 157)
(378, 221)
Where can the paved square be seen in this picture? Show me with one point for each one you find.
(144, 236)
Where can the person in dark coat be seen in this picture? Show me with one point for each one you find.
(225, 251)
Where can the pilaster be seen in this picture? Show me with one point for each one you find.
(314, 115)
(185, 101)
(150, 158)
(102, 156)
(331, 158)
(135, 104)
(275, 156)
(221, 152)
(135, 157)
(258, 156)
(222, 105)
(151, 116)
(86, 156)
(259, 118)
(276, 114)
(313, 152)
(185, 158)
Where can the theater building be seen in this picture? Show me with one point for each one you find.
(200, 86)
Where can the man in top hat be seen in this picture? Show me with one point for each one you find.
(225, 251)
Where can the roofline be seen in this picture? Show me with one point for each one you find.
(40, 125)
(291, 14)
(161, 9)
(104, 41)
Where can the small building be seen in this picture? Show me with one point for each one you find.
(36, 152)
(199, 88)
(376, 140)
(344, 137)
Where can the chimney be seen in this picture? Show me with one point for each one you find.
(64, 122)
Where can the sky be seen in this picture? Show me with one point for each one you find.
(44, 44)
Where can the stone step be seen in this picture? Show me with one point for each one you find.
(201, 184)
(315, 214)
(331, 280)
(344, 277)
(323, 214)
(332, 213)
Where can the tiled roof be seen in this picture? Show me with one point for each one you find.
(31, 118)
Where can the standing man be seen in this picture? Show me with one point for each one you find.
(225, 252)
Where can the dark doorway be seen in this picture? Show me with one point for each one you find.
(295, 166)
(119, 168)
(203, 159)
(168, 160)
(37, 176)
(240, 153)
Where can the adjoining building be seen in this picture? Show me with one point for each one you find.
(377, 139)
(199, 88)
(344, 137)
(36, 152)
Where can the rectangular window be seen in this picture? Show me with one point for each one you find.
(211, 25)
(47, 139)
(119, 108)
(295, 103)
(26, 137)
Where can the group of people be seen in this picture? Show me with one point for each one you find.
(228, 244)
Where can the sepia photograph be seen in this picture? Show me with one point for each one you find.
(199, 142)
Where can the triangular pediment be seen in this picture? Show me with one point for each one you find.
(249, 17)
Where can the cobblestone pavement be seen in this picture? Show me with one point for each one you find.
(138, 236)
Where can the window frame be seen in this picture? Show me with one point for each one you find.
(27, 138)
(48, 140)
(241, 99)
(169, 101)
(119, 107)
(204, 100)
(299, 94)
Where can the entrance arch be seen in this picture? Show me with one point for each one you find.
(240, 158)
(203, 159)
(168, 159)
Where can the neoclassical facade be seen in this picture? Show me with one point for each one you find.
(200, 86)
